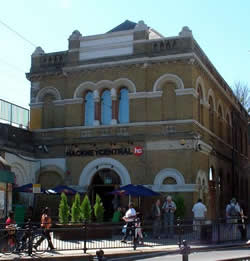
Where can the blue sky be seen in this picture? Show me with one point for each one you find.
(222, 29)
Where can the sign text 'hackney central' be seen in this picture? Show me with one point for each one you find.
(75, 151)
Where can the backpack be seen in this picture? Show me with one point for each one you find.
(233, 212)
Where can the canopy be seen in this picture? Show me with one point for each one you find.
(61, 189)
(28, 188)
(135, 191)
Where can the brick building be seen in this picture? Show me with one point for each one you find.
(131, 106)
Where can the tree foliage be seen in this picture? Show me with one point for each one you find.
(180, 206)
(76, 209)
(242, 92)
(64, 210)
(86, 209)
(98, 209)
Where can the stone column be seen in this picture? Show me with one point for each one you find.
(114, 106)
(97, 108)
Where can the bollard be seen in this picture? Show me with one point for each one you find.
(85, 237)
(133, 235)
(179, 231)
(185, 250)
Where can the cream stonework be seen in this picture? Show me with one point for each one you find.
(182, 115)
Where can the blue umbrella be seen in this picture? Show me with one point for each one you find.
(135, 191)
(28, 188)
(61, 189)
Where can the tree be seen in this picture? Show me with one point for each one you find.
(180, 206)
(76, 209)
(242, 92)
(98, 209)
(64, 210)
(86, 210)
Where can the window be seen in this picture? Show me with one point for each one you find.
(106, 108)
(123, 116)
(220, 122)
(89, 109)
(211, 113)
(200, 107)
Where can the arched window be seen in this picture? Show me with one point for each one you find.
(48, 111)
(89, 109)
(211, 113)
(199, 105)
(123, 115)
(106, 108)
(220, 122)
(211, 174)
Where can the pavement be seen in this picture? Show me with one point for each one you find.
(116, 253)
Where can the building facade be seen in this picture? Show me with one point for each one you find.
(131, 106)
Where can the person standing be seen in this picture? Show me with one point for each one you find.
(46, 223)
(10, 226)
(129, 218)
(169, 208)
(232, 215)
(199, 210)
(156, 215)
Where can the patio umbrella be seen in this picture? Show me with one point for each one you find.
(61, 189)
(28, 188)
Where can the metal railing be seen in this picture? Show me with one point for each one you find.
(13, 114)
(89, 236)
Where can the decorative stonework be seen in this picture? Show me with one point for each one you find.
(103, 163)
(38, 52)
(200, 82)
(122, 82)
(48, 90)
(186, 32)
(187, 91)
(35, 86)
(76, 35)
(141, 26)
(168, 78)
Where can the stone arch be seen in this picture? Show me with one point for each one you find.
(211, 93)
(199, 82)
(20, 174)
(222, 108)
(168, 78)
(104, 84)
(48, 90)
(108, 163)
(48, 168)
(124, 82)
(172, 173)
(227, 113)
(84, 87)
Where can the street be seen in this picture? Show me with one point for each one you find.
(198, 256)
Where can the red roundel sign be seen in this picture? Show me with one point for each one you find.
(138, 151)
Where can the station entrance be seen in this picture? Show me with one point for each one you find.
(103, 182)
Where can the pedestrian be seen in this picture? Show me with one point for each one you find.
(156, 215)
(46, 223)
(10, 226)
(243, 224)
(232, 216)
(199, 210)
(129, 218)
(138, 228)
(169, 209)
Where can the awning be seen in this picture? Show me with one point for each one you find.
(7, 176)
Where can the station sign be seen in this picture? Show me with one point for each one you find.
(72, 151)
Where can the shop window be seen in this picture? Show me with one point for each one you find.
(123, 116)
(89, 109)
(169, 181)
(106, 108)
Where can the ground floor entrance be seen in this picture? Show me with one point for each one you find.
(105, 181)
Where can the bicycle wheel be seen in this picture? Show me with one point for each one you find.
(43, 246)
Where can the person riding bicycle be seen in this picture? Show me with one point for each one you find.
(46, 223)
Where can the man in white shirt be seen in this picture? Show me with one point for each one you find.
(129, 218)
(199, 210)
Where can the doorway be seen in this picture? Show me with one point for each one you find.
(104, 182)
